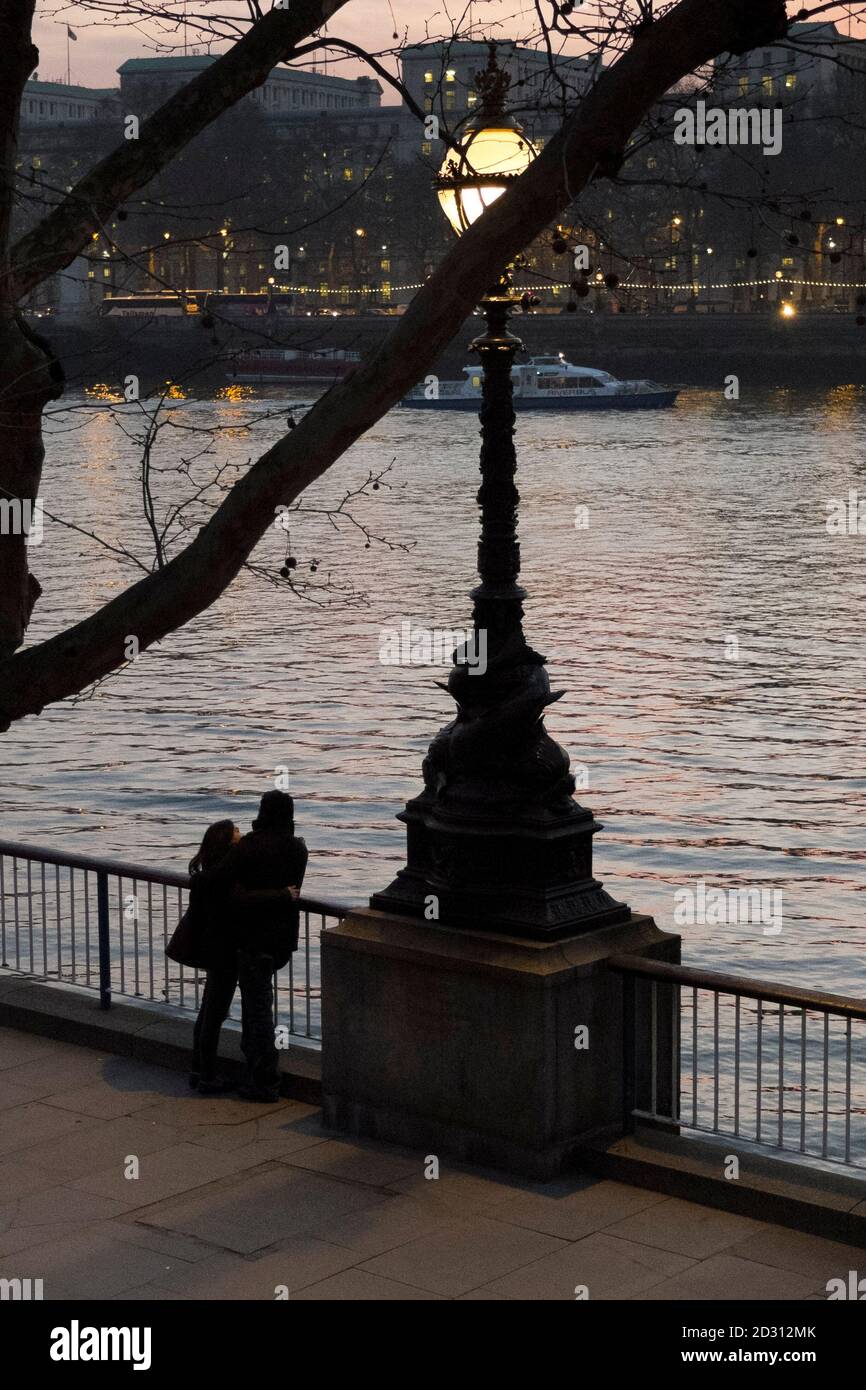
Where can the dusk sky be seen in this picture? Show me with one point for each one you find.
(102, 47)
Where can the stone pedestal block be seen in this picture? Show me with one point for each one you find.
(463, 1043)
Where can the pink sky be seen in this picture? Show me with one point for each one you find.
(100, 50)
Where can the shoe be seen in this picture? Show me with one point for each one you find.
(259, 1093)
(212, 1086)
(193, 1079)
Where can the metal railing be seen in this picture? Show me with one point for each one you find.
(103, 924)
(743, 1058)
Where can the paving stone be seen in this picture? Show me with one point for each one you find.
(152, 1238)
(801, 1253)
(726, 1278)
(686, 1228)
(255, 1210)
(192, 1108)
(300, 1260)
(607, 1267)
(162, 1174)
(572, 1215)
(358, 1286)
(86, 1266)
(100, 1148)
(33, 1123)
(16, 1048)
(373, 1164)
(12, 1095)
(463, 1193)
(384, 1226)
(60, 1071)
(462, 1256)
(18, 1178)
(148, 1293)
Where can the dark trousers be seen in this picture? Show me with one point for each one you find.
(219, 991)
(256, 979)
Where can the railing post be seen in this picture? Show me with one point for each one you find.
(628, 1054)
(104, 945)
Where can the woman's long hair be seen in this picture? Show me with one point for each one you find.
(215, 845)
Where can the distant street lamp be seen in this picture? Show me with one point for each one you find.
(496, 840)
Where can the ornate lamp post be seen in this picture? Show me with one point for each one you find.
(496, 841)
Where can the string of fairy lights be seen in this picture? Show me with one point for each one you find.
(600, 284)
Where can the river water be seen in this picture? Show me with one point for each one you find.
(706, 627)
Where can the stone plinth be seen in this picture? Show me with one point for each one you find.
(463, 1043)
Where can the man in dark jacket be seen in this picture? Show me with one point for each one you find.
(270, 858)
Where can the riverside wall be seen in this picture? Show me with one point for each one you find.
(821, 350)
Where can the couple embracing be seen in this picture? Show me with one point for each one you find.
(243, 918)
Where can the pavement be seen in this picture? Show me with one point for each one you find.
(118, 1182)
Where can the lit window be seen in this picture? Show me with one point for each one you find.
(744, 86)
(348, 175)
(428, 77)
(471, 98)
(768, 85)
(450, 100)
(386, 290)
(426, 148)
(451, 75)
(791, 80)
(385, 264)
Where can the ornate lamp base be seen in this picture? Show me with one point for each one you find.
(496, 840)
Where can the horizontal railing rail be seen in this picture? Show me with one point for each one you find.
(743, 1058)
(103, 924)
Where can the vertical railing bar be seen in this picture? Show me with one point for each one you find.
(695, 1056)
(629, 1054)
(826, 1082)
(3, 908)
(737, 1065)
(72, 925)
(44, 926)
(165, 963)
(848, 1090)
(654, 1060)
(29, 912)
(760, 1073)
(781, 1132)
(150, 936)
(102, 925)
(292, 988)
(135, 947)
(57, 914)
(676, 1051)
(716, 1060)
(307, 970)
(87, 926)
(17, 924)
(181, 976)
(803, 1042)
(121, 934)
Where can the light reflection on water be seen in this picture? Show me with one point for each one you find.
(705, 522)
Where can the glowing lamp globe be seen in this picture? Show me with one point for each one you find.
(472, 177)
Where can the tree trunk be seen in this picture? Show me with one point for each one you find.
(29, 378)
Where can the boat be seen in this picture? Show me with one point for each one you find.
(546, 383)
(257, 365)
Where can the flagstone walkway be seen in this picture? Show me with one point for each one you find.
(118, 1182)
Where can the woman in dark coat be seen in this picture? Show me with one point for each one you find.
(211, 913)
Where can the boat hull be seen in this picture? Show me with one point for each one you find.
(648, 400)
